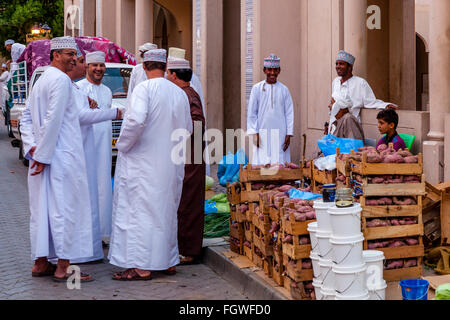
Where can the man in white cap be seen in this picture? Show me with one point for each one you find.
(191, 212)
(197, 86)
(16, 49)
(149, 176)
(4, 77)
(61, 222)
(355, 88)
(89, 116)
(270, 117)
(97, 91)
(138, 74)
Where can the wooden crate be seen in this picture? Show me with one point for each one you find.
(404, 273)
(237, 249)
(261, 175)
(296, 250)
(342, 167)
(249, 195)
(248, 252)
(263, 226)
(293, 227)
(268, 267)
(238, 216)
(307, 172)
(287, 285)
(236, 233)
(248, 234)
(257, 260)
(233, 196)
(401, 189)
(263, 245)
(393, 232)
(392, 210)
(297, 273)
(444, 188)
(401, 252)
(323, 176)
(277, 275)
(364, 168)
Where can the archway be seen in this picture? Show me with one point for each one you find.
(422, 92)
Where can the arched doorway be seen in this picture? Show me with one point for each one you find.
(422, 92)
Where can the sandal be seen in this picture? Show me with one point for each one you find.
(131, 275)
(51, 268)
(83, 278)
(170, 272)
(184, 261)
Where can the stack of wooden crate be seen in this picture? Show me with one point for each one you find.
(393, 233)
(297, 266)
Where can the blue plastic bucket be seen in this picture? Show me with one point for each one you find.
(414, 289)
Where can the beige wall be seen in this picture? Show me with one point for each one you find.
(125, 29)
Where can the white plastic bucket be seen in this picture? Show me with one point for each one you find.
(317, 289)
(363, 296)
(327, 294)
(345, 222)
(316, 268)
(378, 292)
(374, 260)
(325, 248)
(350, 281)
(347, 252)
(322, 216)
(327, 274)
(312, 229)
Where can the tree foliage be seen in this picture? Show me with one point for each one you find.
(17, 17)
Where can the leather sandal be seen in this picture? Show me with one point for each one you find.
(131, 275)
(51, 268)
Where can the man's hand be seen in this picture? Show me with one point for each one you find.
(31, 152)
(119, 114)
(332, 102)
(391, 106)
(92, 103)
(39, 168)
(256, 137)
(287, 143)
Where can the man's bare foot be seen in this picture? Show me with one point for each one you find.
(62, 275)
(171, 271)
(40, 265)
(133, 274)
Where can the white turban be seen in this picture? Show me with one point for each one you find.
(95, 57)
(156, 55)
(9, 41)
(176, 63)
(63, 43)
(147, 46)
(177, 53)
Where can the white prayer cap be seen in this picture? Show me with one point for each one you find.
(147, 46)
(9, 41)
(176, 63)
(63, 43)
(345, 56)
(272, 62)
(4, 66)
(95, 57)
(177, 53)
(155, 55)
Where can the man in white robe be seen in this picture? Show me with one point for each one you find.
(270, 117)
(149, 178)
(88, 115)
(138, 74)
(97, 91)
(4, 77)
(196, 84)
(356, 88)
(60, 223)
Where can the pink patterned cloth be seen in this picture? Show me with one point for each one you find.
(37, 53)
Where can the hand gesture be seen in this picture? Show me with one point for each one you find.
(256, 137)
(392, 106)
(31, 152)
(39, 168)
(119, 114)
(332, 102)
(287, 143)
(92, 103)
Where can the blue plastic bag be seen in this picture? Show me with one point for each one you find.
(210, 207)
(329, 143)
(298, 194)
(229, 167)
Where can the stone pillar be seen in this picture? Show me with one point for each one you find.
(125, 30)
(355, 34)
(144, 22)
(439, 88)
(439, 66)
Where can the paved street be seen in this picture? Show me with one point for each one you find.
(191, 282)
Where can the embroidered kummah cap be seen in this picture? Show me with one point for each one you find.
(176, 63)
(345, 56)
(177, 53)
(63, 43)
(272, 62)
(9, 41)
(95, 57)
(147, 46)
(156, 55)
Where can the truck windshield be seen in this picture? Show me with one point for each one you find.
(117, 79)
